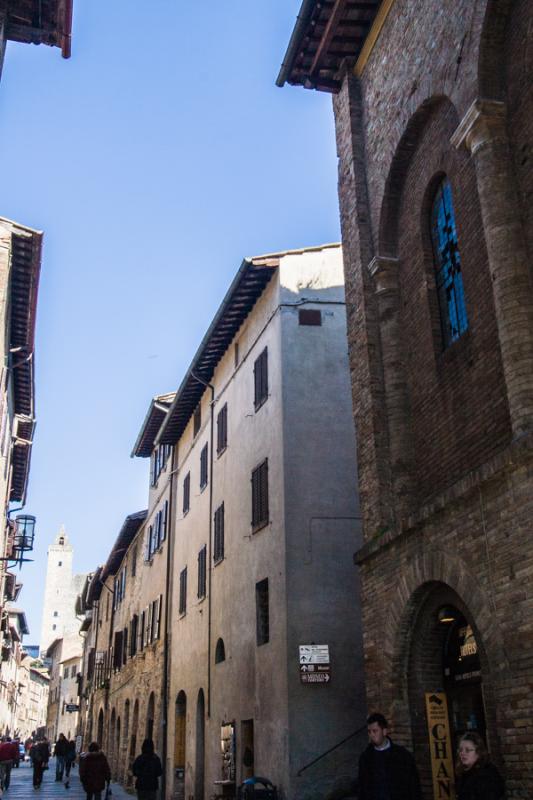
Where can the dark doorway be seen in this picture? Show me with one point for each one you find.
(247, 748)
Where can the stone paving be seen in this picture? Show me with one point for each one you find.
(21, 787)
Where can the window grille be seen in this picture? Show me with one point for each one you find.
(260, 496)
(261, 379)
(218, 550)
(262, 613)
(202, 564)
(448, 275)
(222, 429)
(187, 493)
(203, 467)
(183, 591)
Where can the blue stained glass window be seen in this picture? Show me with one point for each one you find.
(450, 289)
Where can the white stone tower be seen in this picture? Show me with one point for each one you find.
(59, 615)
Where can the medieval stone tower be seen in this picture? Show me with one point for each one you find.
(61, 589)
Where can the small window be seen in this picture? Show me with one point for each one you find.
(197, 420)
(203, 467)
(202, 576)
(54, 627)
(260, 496)
(164, 521)
(236, 354)
(187, 493)
(183, 591)
(56, 613)
(133, 634)
(220, 652)
(448, 275)
(309, 316)
(261, 379)
(124, 645)
(59, 563)
(61, 540)
(222, 429)
(134, 561)
(218, 554)
(262, 615)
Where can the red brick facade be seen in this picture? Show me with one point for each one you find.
(445, 435)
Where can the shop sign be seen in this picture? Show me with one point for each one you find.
(440, 745)
(71, 707)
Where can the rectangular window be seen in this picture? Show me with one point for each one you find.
(261, 610)
(148, 547)
(218, 554)
(183, 591)
(117, 650)
(148, 634)
(203, 467)
(158, 461)
(187, 493)
(261, 379)
(202, 563)
(197, 420)
(236, 354)
(159, 616)
(133, 634)
(134, 562)
(222, 429)
(260, 496)
(124, 646)
(309, 316)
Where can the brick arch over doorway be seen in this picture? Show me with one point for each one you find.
(435, 578)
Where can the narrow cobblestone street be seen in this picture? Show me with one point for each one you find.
(21, 787)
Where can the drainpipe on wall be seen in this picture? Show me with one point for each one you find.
(209, 562)
(167, 642)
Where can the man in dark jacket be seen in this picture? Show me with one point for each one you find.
(386, 770)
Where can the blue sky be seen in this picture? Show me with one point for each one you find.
(154, 160)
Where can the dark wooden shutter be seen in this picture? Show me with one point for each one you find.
(261, 379)
(260, 495)
(117, 650)
(90, 663)
(219, 534)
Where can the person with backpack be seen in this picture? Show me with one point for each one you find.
(147, 769)
(39, 755)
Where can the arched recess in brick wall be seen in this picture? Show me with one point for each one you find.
(100, 728)
(434, 579)
(389, 217)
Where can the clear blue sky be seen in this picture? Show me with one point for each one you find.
(154, 160)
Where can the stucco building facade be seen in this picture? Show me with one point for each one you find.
(433, 107)
(265, 523)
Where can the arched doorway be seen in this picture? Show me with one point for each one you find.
(200, 747)
(447, 660)
(150, 713)
(100, 728)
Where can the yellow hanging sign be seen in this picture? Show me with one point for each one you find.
(440, 746)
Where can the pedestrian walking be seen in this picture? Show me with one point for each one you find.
(387, 771)
(94, 772)
(60, 752)
(9, 754)
(477, 777)
(70, 759)
(39, 755)
(147, 769)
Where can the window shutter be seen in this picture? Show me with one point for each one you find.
(165, 521)
(117, 650)
(90, 663)
(148, 624)
(159, 616)
(142, 630)
(124, 645)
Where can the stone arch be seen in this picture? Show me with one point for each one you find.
(150, 716)
(389, 217)
(100, 728)
(220, 651)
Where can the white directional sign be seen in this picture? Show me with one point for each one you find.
(314, 663)
(314, 653)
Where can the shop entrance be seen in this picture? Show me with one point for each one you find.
(445, 657)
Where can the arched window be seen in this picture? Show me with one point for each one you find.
(220, 652)
(449, 280)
